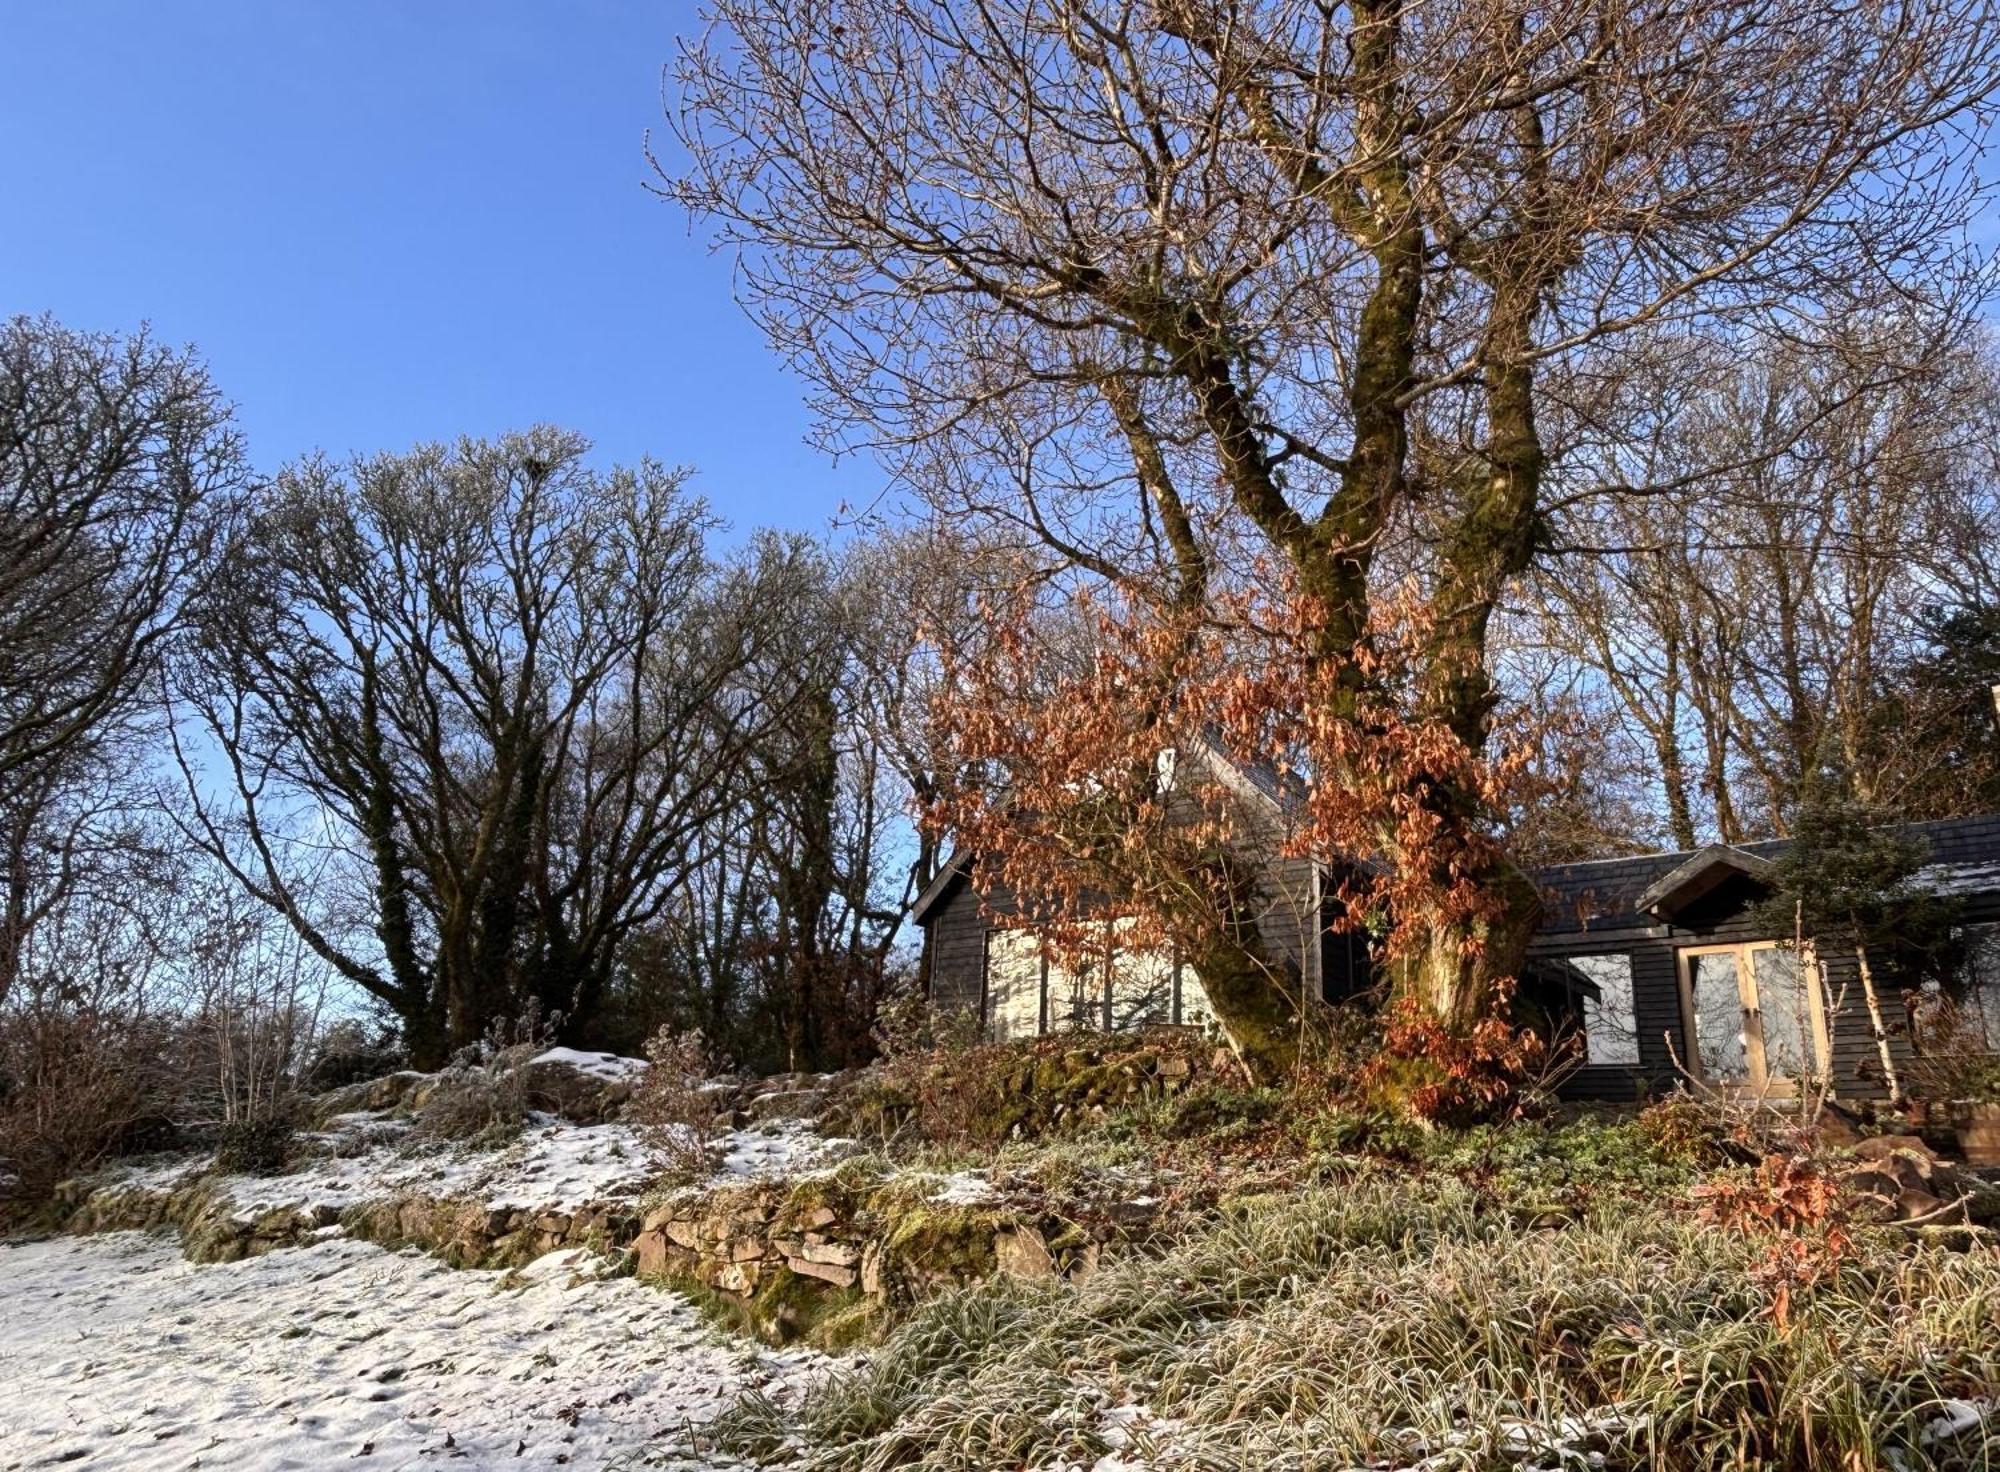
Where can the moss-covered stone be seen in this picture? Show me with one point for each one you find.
(785, 1308)
(927, 1245)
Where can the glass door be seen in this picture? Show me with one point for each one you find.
(1712, 997)
(1755, 1014)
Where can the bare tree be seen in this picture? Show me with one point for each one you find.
(119, 462)
(505, 687)
(254, 997)
(783, 945)
(1173, 285)
(1755, 621)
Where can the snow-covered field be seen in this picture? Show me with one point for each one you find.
(115, 1353)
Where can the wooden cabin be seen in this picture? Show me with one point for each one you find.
(1654, 963)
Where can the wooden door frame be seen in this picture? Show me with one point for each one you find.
(1760, 1081)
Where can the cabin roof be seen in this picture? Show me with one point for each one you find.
(1283, 790)
(1647, 889)
(949, 873)
(1620, 894)
(1704, 869)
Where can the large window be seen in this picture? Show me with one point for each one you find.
(1610, 1012)
(1979, 983)
(1121, 987)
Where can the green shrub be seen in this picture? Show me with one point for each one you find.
(995, 1092)
(1213, 1112)
(1682, 1128)
(1365, 1132)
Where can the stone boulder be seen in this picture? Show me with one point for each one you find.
(1899, 1179)
(394, 1093)
(583, 1088)
(787, 1104)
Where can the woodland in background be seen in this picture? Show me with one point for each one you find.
(1820, 610)
(370, 760)
(449, 737)
(1358, 406)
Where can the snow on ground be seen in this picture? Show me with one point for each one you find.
(119, 1354)
(553, 1166)
(774, 1151)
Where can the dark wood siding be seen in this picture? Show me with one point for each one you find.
(958, 950)
(1722, 920)
(1656, 1011)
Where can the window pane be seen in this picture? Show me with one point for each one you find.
(1981, 982)
(1013, 985)
(1195, 1011)
(1610, 1019)
(1718, 1018)
(1784, 1011)
(1076, 996)
(1142, 986)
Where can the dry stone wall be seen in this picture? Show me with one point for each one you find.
(826, 1256)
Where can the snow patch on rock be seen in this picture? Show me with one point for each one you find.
(610, 1067)
(965, 1188)
(775, 1151)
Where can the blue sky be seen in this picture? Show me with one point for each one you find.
(390, 220)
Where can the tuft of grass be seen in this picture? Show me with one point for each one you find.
(1393, 1324)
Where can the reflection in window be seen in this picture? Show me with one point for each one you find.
(1030, 989)
(1610, 1013)
(1721, 1041)
(1784, 1011)
(1013, 985)
(1142, 984)
(1195, 1011)
(1979, 982)
(1076, 995)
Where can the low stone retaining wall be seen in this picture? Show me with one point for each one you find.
(213, 1227)
(827, 1257)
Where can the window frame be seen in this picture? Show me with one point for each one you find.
(1756, 1061)
(1579, 961)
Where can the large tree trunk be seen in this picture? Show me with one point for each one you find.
(1457, 973)
(1259, 1004)
(426, 1038)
